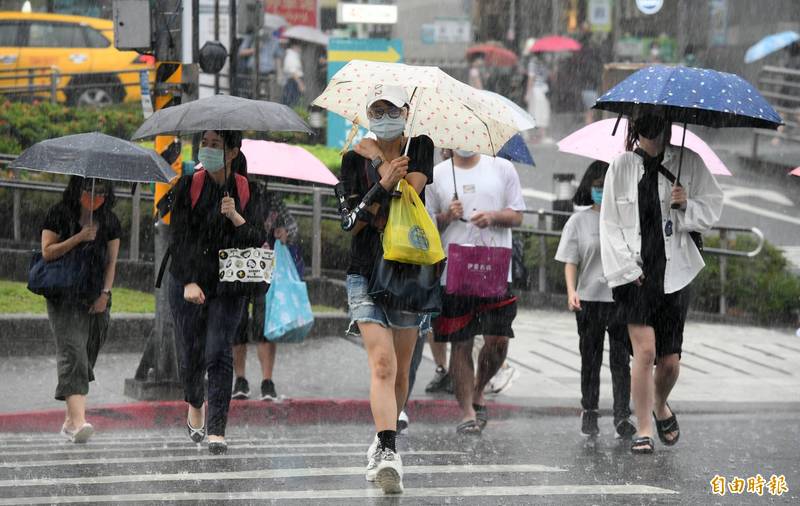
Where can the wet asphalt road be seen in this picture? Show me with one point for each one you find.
(537, 461)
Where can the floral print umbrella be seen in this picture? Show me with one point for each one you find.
(454, 115)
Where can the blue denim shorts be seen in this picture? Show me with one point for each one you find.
(363, 309)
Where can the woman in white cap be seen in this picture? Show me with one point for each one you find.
(389, 335)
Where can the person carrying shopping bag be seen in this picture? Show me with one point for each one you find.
(590, 298)
(210, 213)
(83, 234)
(389, 334)
(650, 258)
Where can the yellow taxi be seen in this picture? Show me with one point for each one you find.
(91, 71)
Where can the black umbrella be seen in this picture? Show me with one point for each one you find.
(95, 155)
(222, 112)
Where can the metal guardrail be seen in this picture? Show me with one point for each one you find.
(53, 77)
(781, 87)
(317, 213)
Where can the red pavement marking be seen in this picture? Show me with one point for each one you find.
(160, 414)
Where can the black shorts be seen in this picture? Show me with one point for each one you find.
(251, 326)
(665, 312)
(463, 318)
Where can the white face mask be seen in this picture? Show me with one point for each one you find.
(387, 128)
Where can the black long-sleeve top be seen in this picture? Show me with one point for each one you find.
(198, 234)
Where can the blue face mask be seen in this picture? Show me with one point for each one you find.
(213, 159)
(387, 128)
(597, 195)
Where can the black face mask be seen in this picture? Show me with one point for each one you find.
(649, 126)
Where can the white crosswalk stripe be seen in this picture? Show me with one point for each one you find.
(161, 467)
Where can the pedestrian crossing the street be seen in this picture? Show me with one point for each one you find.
(148, 466)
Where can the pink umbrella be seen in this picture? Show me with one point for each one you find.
(795, 172)
(555, 44)
(284, 160)
(595, 141)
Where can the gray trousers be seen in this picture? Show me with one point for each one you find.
(79, 337)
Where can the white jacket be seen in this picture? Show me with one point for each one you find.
(620, 235)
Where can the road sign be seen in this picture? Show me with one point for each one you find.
(341, 51)
(147, 102)
(366, 13)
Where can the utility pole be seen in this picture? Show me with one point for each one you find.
(234, 50)
(157, 375)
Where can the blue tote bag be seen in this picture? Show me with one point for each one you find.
(288, 310)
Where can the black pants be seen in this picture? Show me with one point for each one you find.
(206, 333)
(79, 337)
(593, 320)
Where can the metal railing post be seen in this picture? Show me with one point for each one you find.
(17, 212)
(723, 272)
(316, 239)
(136, 213)
(54, 85)
(30, 81)
(542, 253)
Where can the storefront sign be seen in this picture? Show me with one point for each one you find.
(295, 12)
(600, 15)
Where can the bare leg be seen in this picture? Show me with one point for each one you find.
(76, 411)
(666, 375)
(379, 343)
(643, 339)
(493, 354)
(404, 342)
(239, 359)
(266, 356)
(462, 370)
(439, 351)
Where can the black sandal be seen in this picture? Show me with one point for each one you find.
(470, 427)
(481, 415)
(645, 445)
(667, 426)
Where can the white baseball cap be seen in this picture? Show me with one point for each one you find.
(395, 95)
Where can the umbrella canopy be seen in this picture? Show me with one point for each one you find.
(222, 112)
(284, 160)
(453, 114)
(555, 44)
(306, 34)
(495, 55)
(595, 141)
(770, 44)
(692, 95)
(795, 172)
(95, 155)
(522, 118)
(516, 150)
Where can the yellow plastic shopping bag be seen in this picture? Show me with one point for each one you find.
(410, 235)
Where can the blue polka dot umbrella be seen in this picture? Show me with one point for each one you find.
(691, 95)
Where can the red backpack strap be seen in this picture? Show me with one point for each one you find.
(198, 180)
(243, 190)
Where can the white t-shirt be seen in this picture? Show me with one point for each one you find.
(580, 245)
(491, 185)
(292, 64)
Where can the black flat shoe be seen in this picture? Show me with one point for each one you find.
(217, 447)
(196, 435)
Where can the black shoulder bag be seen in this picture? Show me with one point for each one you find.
(405, 287)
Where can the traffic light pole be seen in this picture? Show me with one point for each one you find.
(157, 376)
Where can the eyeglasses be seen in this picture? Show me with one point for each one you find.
(393, 112)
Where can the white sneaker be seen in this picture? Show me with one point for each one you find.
(402, 423)
(373, 458)
(502, 380)
(79, 436)
(390, 472)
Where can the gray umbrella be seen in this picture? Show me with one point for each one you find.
(95, 155)
(222, 112)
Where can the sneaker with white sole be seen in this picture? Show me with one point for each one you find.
(241, 389)
(80, 435)
(390, 472)
(502, 380)
(402, 423)
(373, 459)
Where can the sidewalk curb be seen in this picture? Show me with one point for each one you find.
(156, 415)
